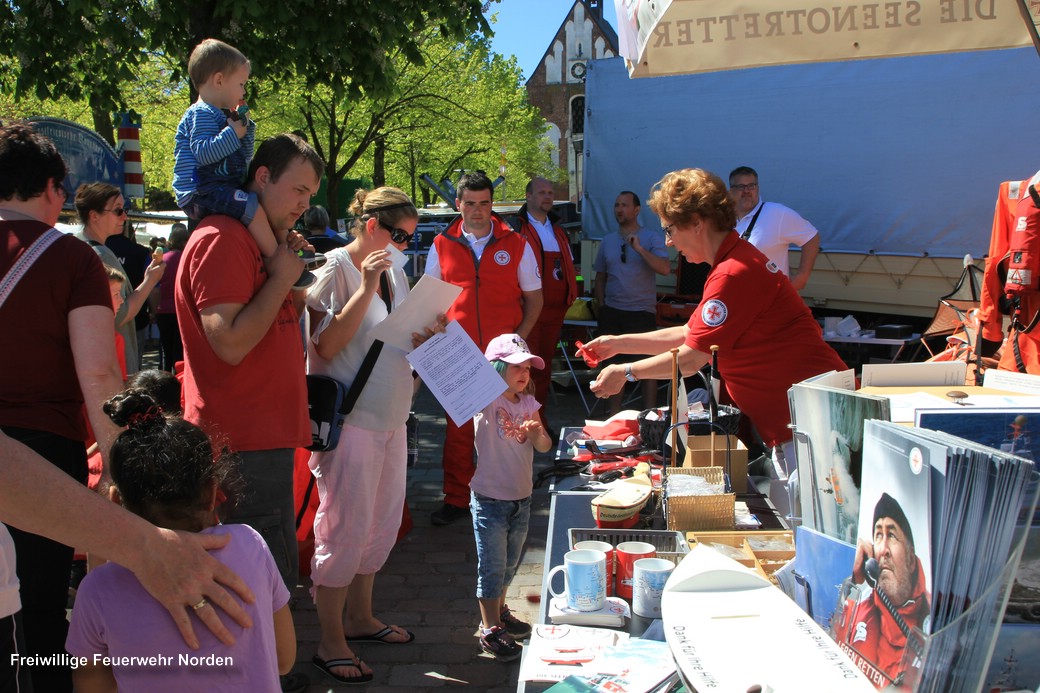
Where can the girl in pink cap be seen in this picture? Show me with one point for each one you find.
(507, 432)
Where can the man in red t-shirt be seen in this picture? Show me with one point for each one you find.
(244, 362)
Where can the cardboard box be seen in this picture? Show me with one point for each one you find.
(698, 454)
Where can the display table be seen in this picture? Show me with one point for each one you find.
(572, 509)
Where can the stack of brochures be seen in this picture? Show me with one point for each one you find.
(631, 666)
(940, 535)
(555, 652)
(1010, 428)
(612, 614)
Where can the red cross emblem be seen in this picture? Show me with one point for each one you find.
(714, 313)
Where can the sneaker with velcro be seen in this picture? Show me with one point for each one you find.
(500, 644)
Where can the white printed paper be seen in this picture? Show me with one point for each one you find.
(429, 298)
(458, 375)
(1026, 383)
(914, 374)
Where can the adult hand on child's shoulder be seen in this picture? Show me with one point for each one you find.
(177, 571)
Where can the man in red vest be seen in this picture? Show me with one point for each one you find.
(552, 250)
(501, 294)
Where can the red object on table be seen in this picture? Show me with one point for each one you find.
(619, 429)
(591, 360)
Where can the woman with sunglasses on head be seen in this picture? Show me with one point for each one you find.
(100, 207)
(361, 482)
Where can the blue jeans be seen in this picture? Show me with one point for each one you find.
(227, 199)
(500, 528)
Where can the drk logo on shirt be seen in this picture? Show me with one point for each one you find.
(714, 313)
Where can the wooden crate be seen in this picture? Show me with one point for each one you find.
(747, 548)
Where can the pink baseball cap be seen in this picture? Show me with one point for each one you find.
(511, 348)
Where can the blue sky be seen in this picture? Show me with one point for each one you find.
(525, 27)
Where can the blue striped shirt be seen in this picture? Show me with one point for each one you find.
(204, 151)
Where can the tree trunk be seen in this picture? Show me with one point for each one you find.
(332, 196)
(103, 124)
(379, 162)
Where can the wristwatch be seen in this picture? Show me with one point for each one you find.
(628, 373)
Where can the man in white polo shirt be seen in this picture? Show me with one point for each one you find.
(771, 227)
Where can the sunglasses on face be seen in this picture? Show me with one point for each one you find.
(397, 235)
(118, 211)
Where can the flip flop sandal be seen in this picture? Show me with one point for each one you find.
(383, 637)
(326, 668)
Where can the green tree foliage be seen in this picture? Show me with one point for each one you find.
(151, 93)
(455, 108)
(486, 123)
(453, 104)
(87, 49)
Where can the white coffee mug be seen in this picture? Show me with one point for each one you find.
(584, 579)
(608, 550)
(649, 578)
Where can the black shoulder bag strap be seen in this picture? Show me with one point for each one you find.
(747, 231)
(351, 398)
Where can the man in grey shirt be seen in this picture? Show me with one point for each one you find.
(626, 267)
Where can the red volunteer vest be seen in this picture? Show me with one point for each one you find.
(559, 287)
(490, 303)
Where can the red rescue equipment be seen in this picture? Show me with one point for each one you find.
(1023, 278)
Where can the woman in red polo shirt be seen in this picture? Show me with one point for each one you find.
(767, 337)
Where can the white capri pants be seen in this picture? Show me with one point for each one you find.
(361, 491)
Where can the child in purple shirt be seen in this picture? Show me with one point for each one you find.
(163, 470)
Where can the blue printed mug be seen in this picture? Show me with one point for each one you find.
(584, 579)
(649, 578)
